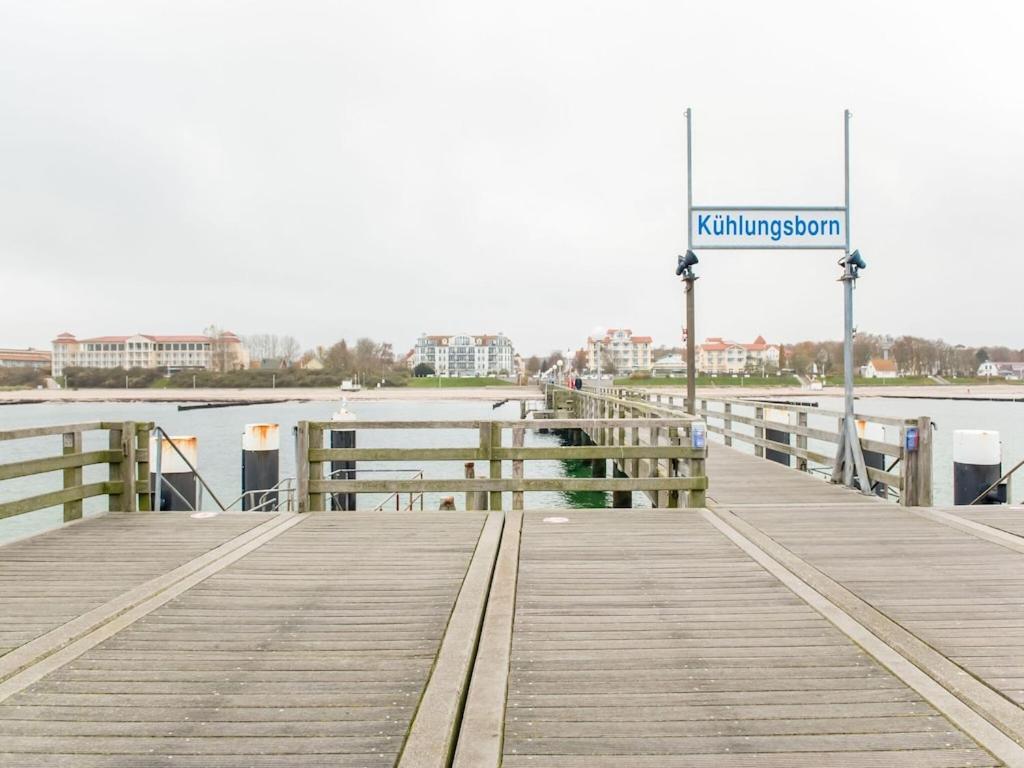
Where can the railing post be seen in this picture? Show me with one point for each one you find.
(317, 501)
(302, 466)
(728, 423)
(495, 464)
(673, 467)
(759, 430)
(73, 476)
(801, 440)
(129, 499)
(141, 469)
(696, 468)
(917, 465)
(518, 435)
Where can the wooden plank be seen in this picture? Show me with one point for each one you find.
(434, 731)
(434, 485)
(57, 498)
(483, 723)
(514, 453)
(55, 463)
(27, 432)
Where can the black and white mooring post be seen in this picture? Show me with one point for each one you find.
(261, 457)
(178, 489)
(977, 466)
(343, 470)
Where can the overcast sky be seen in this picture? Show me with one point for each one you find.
(381, 168)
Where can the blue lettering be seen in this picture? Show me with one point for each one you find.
(702, 224)
(776, 229)
(787, 228)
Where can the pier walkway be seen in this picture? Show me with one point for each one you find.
(784, 623)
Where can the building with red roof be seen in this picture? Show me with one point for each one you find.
(143, 350)
(717, 355)
(24, 358)
(626, 351)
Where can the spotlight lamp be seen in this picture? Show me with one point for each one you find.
(853, 263)
(684, 268)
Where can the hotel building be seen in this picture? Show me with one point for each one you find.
(174, 353)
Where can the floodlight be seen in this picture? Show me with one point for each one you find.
(686, 263)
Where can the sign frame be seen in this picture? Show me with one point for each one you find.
(844, 246)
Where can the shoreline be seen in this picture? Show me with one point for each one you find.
(1003, 393)
(279, 395)
(981, 393)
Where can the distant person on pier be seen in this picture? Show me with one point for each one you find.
(579, 382)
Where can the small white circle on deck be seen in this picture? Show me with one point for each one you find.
(556, 519)
(203, 515)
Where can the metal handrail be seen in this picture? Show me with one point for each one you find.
(160, 477)
(416, 474)
(992, 487)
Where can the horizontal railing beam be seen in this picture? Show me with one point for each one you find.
(886, 478)
(530, 424)
(56, 463)
(56, 498)
(459, 485)
(27, 432)
(815, 434)
(792, 450)
(548, 453)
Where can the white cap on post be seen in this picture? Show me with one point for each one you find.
(980, 447)
(343, 415)
(170, 462)
(261, 437)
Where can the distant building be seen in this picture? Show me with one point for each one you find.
(480, 355)
(718, 355)
(626, 352)
(174, 353)
(25, 358)
(1013, 371)
(669, 365)
(877, 368)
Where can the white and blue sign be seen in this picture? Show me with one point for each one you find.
(768, 227)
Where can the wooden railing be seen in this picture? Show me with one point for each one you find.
(907, 470)
(126, 456)
(668, 466)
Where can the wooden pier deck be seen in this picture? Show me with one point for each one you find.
(788, 623)
(754, 635)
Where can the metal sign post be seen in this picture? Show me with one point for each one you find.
(781, 227)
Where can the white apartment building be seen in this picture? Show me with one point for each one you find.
(718, 355)
(465, 355)
(627, 352)
(174, 353)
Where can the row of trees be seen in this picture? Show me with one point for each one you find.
(914, 356)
